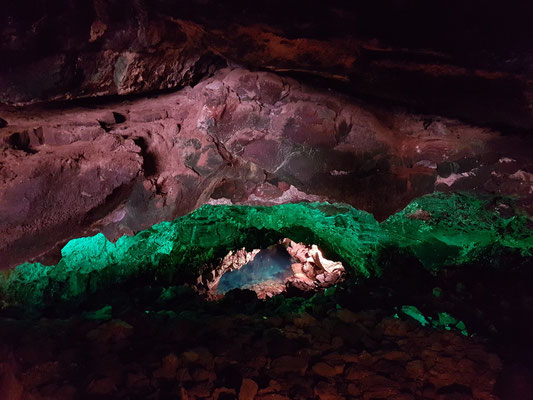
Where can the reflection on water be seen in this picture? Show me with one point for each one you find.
(272, 264)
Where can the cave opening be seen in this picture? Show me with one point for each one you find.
(273, 270)
(270, 266)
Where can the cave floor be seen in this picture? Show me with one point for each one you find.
(348, 342)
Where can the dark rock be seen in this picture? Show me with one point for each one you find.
(474, 68)
(291, 364)
(248, 389)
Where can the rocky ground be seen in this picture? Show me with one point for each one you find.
(348, 342)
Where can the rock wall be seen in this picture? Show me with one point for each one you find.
(435, 231)
(468, 60)
(240, 137)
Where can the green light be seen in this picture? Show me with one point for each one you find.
(416, 314)
(440, 230)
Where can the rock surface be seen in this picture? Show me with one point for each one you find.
(284, 265)
(471, 61)
(462, 231)
(285, 348)
(240, 137)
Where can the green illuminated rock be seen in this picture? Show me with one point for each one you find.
(444, 321)
(440, 230)
(445, 230)
(183, 246)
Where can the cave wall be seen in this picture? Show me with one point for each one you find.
(117, 115)
(468, 60)
(239, 137)
(435, 232)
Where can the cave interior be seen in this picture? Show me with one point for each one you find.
(266, 200)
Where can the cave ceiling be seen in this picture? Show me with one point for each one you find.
(117, 115)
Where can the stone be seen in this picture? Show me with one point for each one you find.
(273, 386)
(169, 365)
(10, 386)
(40, 374)
(248, 389)
(66, 392)
(111, 332)
(347, 316)
(327, 371)
(103, 386)
(272, 396)
(354, 390)
(183, 375)
(200, 375)
(201, 389)
(159, 171)
(137, 380)
(223, 393)
(356, 373)
(284, 364)
(415, 369)
(327, 391)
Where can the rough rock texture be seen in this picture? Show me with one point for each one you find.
(285, 349)
(308, 271)
(457, 230)
(239, 137)
(470, 60)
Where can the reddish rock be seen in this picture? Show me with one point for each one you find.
(169, 365)
(415, 369)
(294, 364)
(347, 316)
(111, 332)
(327, 391)
(475, 68)
(120, 167)
(272, 396)
(223, 392)
(137, 380)
(202, 389)
(248, 389)
(200, 375)
(357, 374)
(327, 371)
(103, 386)
(40, 374)
(273, 386)
(10, 387)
